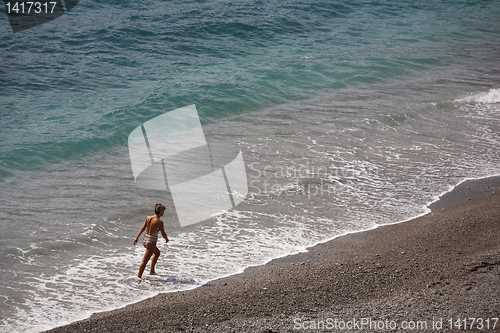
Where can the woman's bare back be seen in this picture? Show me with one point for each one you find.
(153, 225)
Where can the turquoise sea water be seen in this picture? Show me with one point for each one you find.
(78, 85)
(388, 103)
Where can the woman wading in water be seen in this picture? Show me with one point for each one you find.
(153, 225)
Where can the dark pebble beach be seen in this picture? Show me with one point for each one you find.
(421, 273)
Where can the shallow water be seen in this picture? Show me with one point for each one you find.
(348, 116)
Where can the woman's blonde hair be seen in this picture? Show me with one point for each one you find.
(159, 208)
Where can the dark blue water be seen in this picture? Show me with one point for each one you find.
(397, 100)
(79, 84)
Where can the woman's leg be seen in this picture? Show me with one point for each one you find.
(154, 260)
(150, 250)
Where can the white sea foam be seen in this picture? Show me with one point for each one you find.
(490, 97)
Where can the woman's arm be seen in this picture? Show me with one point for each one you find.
(141, 231)
(163, 232)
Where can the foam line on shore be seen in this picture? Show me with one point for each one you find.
(303, 249)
